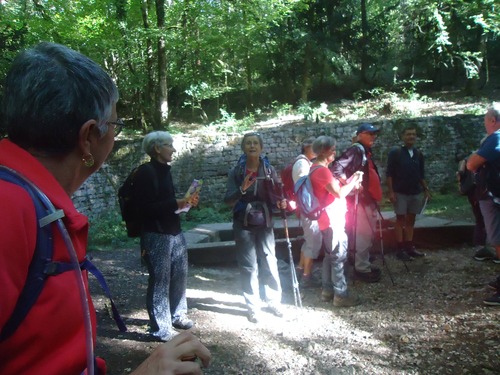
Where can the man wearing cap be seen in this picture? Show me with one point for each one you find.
(405, 183)
(362, 226)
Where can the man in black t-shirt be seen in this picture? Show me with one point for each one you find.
(406, 183)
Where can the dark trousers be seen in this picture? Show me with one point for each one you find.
(479, 237)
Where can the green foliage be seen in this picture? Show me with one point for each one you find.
(219, 52)
(450, 205)
(229, 123)
(108, 232)
(312, 113)
(206, 215)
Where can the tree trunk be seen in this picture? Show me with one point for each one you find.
(364, 42)
(161, 110)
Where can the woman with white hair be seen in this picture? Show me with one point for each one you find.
(163, 246)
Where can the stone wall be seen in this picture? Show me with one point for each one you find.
(209, 155)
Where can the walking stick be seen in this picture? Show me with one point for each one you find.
(295, 283)
(354, 226)
(380, 218)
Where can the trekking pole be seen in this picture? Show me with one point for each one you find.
(354, 228)
(295, 283)
(380, 218)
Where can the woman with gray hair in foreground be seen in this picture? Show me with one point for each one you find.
(59, 112)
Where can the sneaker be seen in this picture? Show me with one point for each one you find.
(252, 316)
(326, 295)
(403, 256)
(484, 254)
(372, 276)
(182, 323)
(496, 260)
(348, 300)
(414, 253)
(495, 284)
(275, 310)
(494, 300)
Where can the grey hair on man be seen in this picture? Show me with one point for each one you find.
(49, 93)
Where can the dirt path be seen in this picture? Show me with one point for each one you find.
(430, 322)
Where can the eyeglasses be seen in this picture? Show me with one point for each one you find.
(118, 124)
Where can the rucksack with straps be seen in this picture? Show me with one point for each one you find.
(42, 266)
(127, 198)
(466, 178)
(288, 184)
(307, 203)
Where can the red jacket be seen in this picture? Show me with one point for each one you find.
(51, 339)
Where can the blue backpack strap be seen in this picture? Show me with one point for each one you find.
(41, 260)
(89, 266)
(41, 265)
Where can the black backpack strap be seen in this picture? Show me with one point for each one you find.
(42, 257)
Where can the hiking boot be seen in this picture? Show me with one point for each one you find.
(403, 256)
(414, 253)
(348, 300)
(494, 300)
(182, 323)
(252, 316)
(326, 295)
(372, 276)
(275, 310)
(495, 284)
(307, 282)
(484, 254)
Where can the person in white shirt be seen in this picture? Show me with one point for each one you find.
(312, 236)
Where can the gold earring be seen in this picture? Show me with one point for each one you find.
(88, 161)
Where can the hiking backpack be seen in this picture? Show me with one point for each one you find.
(288, 184)
(307, 203)
(42, 266)
(127, 198)
(466, 178)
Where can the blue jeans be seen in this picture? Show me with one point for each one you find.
(166, 259)
(256, 256)
(332, 275)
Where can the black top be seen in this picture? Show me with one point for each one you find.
(156, 199)
(406, 171)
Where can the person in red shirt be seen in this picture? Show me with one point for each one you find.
(358, 157)
(331, 194)
(59, 111)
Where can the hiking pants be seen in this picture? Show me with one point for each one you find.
(166, 259)
(366, 224)
(332, 273)
(256, 256)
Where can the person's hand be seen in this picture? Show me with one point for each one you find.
(177, 357)
(392, 197)
(427, 194)
(194, 199)
(281, 204)
(357, 178)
